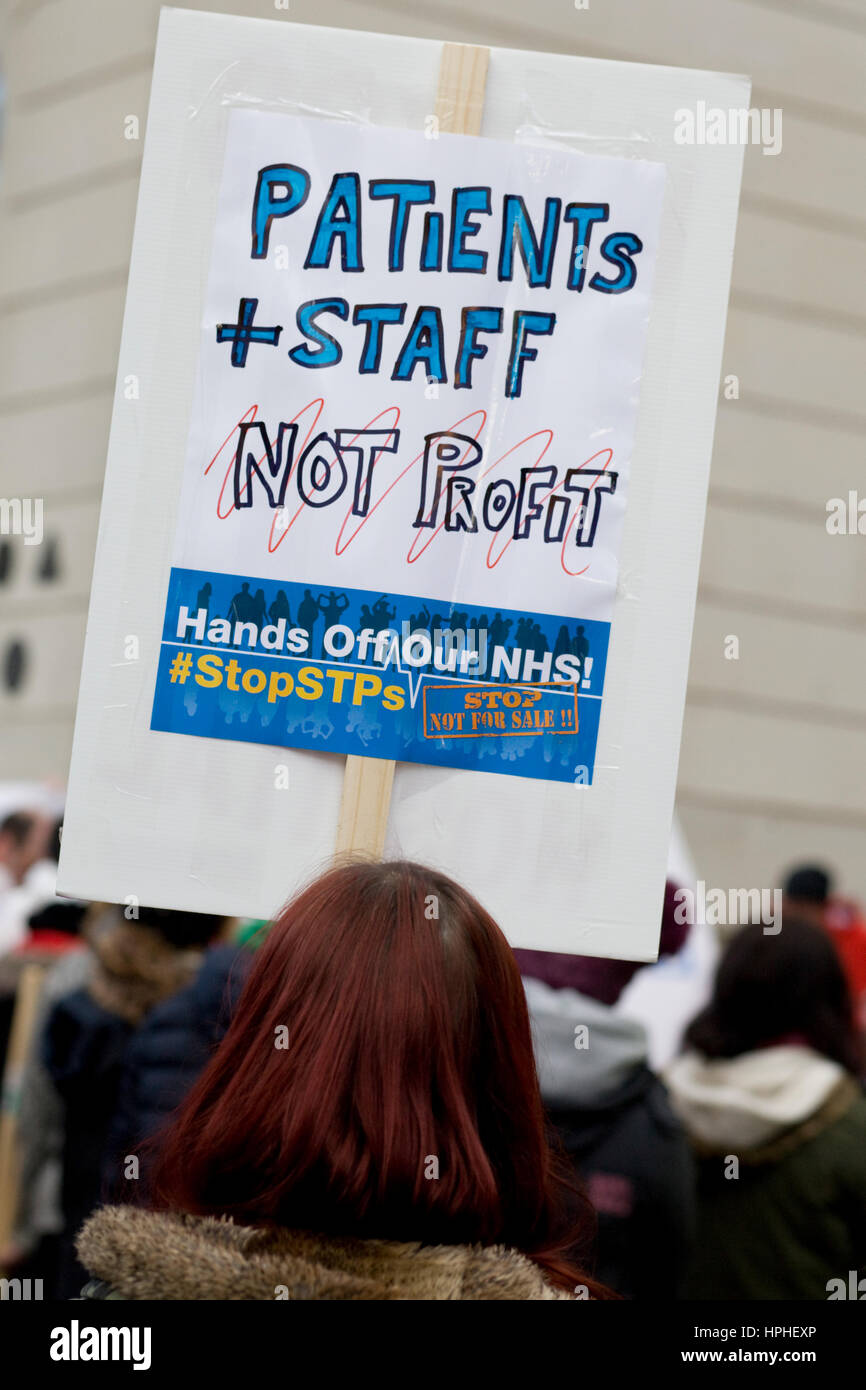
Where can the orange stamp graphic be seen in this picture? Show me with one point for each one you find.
(459, 710)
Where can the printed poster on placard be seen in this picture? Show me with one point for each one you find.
(407, 469)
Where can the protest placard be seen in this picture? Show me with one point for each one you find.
(408, 461)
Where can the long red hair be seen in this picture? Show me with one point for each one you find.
(378, 1080)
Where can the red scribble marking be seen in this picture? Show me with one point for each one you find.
(538, 434)
(320, 402)
(243, 420)
(491, 564)
(251, 413)
(413, 554)
(247, 417)
(338, 549)
(410, 558)
(574, 573)
(223, 515)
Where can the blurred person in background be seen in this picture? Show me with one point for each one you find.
(370, 1126)
(52, 940)
(135, 965)
(52, 930)
(161, 1060)
(808, 894)
(40, 927)
(33, 1247)
(612, 1113)
(27, 839)
(767, 1089)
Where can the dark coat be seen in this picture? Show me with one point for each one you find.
(792, 1223)
(616, 1123)
(167, 1054)
(633, 1156)
(84, 1050)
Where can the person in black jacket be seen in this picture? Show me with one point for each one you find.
(136, 965)
(166, 1055)
(613, 1116)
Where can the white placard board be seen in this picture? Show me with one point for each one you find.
(230, 826)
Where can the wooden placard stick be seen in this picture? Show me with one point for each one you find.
(24, 1019)
(367, 782)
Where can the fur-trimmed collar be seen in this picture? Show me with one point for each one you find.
(159, 1255)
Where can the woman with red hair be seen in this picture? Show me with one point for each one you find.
(370, 1127)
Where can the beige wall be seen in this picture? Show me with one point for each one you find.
(774, 746)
